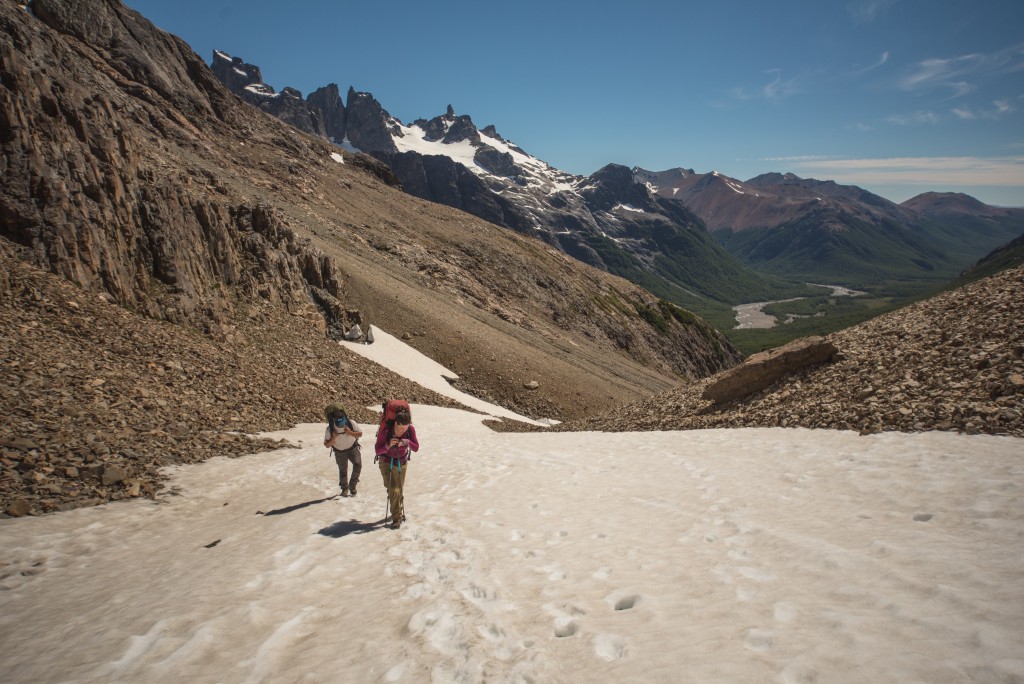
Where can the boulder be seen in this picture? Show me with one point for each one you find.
(18, 508)
(113, 474)
(764, 369)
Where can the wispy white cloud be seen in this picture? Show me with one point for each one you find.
(881, 60)
(798, 158)
(776, 89)
(867, 11)
(927, 117)
(959, 75)
(1002, 107)
(925, 171)
(779, 89)
(998, 110)
(914, 119)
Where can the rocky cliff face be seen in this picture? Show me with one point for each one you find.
(86, 191)
(368, 127)
(236, 74)
(321, 114)
(327, 101)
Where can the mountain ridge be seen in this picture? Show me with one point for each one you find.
(801, 227)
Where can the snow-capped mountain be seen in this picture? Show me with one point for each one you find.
(608, 219)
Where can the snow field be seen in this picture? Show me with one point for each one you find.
(742, 555)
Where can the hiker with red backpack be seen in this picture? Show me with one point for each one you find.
(396, 440)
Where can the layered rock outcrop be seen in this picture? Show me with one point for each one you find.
(85, 192)
(762, 370)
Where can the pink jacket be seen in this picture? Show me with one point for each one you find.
(398, 454)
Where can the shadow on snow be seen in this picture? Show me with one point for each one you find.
(346, 527)
(289, 509)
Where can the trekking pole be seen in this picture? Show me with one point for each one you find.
(330, 453)
(387, 506)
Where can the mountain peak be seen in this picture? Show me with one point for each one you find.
(491, 132)
(773, 178)
(930, 203)
(656, 180)
(237, 75)
(449, 128)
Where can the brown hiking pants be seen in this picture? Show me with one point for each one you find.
(394, 482)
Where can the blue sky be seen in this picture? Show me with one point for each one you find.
(896, 96)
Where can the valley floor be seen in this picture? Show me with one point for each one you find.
(743, 555)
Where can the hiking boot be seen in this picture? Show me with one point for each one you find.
(344, 492)
(352, 491)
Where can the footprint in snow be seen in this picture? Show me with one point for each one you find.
(626, 602)
(609, 647)
(759, 640)
(565, 627)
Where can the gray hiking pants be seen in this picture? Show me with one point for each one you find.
(342, 458)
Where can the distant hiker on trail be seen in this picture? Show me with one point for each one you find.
(343, 438)
(396, 440)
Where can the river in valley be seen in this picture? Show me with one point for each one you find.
(753, 316)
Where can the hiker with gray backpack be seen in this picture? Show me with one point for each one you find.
(396, 440)
(342, 437)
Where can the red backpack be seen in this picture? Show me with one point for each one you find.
(388, 411)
